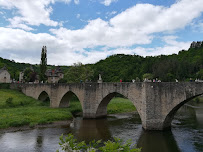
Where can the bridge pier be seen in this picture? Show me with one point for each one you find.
(90, 100)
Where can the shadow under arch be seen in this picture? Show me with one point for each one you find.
(65, 100)
(102, 108)
(44, 97)
(171, 114)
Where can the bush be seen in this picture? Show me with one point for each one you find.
(70, 144)
(4, 86)
(9, 102)
(24, 103)
(148, 76)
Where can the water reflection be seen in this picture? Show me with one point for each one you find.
(157, 142)
(188, 129)
(186, 134)
(89, 129)
(199, 116)
(36, 140)
(39, 141)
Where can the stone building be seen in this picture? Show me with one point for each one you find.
(54, 75)
(21, 74)
(5, 76)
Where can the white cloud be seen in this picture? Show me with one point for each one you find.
(108, 2)
(171, 47)
(77, 1)
(30, 13)
(23, 46)
(78, 15)
(135, 25)
(147, 18)
(65, 1)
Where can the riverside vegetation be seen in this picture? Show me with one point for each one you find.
(70, 144)
(17, 110)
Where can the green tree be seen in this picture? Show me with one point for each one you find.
(29, 75)
(200, 74)
(79, 72)
(43, 64)
(148, 76)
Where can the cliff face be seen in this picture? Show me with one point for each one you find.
(197, 44)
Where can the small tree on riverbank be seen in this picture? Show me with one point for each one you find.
(43, 64)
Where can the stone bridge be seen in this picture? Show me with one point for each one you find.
(156, 103)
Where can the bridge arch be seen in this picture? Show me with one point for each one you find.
(102, 107)
(169, 117)
(65, 100)
(43, 96)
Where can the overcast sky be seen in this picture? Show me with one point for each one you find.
(90, 30)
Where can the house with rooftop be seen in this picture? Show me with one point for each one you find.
(5, 76)
(54, 75)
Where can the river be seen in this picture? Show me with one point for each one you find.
(186, 134)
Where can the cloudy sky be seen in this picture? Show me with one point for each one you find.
(90, 30)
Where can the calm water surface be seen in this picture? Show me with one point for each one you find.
(186, 134)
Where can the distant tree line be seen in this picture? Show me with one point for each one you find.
(182, 66)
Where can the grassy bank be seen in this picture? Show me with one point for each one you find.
(16, 109)
(120, 105)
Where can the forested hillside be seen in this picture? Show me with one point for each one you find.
(182, 66)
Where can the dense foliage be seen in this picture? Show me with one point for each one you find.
(182, 66)
(79, 73)
(70, 144)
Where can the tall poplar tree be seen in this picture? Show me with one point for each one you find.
(43, 64)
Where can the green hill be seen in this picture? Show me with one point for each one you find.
(181, 66)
